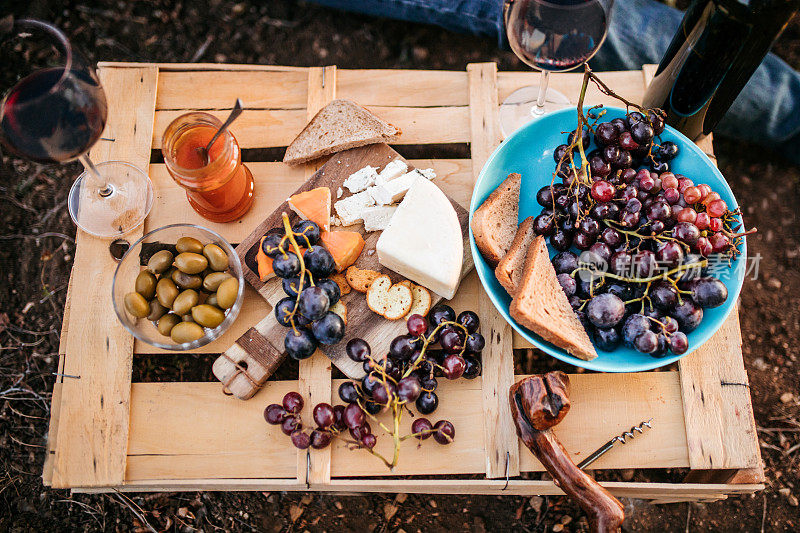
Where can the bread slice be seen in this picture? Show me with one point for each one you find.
(390, 301)
(541, 305)
(360, 280)
(422, 301)
(494, 223)
(510, 268)
(338, 126)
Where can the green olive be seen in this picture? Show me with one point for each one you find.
(186, 281)
(136, 305)
(146, 284)
(156, 310)
(186, 332)
(185, 301)
(189, 244)
(213, 281)
(167, 322)
(166, 292)
(207, 315)
(212, 299)
(160, 262)
(191, 263)
(217, 258)
(169, 273)
(227, 292)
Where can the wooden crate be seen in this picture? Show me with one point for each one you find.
(107, 433)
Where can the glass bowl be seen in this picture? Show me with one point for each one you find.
(135, 260)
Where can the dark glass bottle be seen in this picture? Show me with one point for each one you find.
(719, 45)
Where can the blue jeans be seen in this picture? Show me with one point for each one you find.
(766, 112)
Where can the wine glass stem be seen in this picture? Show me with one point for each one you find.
(544, 79)
(103, 188)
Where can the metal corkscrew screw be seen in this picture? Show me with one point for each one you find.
(623, 437)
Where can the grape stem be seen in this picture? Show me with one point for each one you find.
(698, 264)
(290, 235)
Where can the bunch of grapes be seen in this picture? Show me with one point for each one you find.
(404, 376)
(645, 233)
(309, 292)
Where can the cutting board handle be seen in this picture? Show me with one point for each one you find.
(244, 367)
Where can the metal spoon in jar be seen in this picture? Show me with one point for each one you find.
(235, 112)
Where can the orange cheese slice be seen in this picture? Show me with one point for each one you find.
(314, 205)
(344, 246)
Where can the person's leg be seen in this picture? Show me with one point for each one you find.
(476, 17)
(767, 111)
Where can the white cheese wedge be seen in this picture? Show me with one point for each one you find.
(361, 179)
(393, 169)
(378, 217)
(393, 191)
(350, 210)
(423, 241)
(427, 172)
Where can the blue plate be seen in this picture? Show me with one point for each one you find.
(529, 151)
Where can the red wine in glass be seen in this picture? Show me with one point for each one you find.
(67, 119)
(55, 114)
(551, 36)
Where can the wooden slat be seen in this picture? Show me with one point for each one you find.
(720, 427)
(93, 424)
(258, 89)
(663, 492)
(261, 128)
(403, 88)
(209, 435)
(502, 451)
(191, 67)
(181, 430)
(314, 383)
(626, 83)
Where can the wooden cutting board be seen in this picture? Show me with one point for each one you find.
(260, 350)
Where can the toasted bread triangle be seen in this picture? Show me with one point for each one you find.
(338, 126)
(541, 305)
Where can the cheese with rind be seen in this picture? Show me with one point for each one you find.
(423, 241)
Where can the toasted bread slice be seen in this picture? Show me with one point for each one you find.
(341, 281)
(422, 301)
(390, 301)
(494, 223)
(360, 280)
(510, 268)
(338, 126)
(541, 305)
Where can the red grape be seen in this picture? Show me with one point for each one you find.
(409, 389)
(687, 214)
(451, 341)
(358, 350)
(417, 325)
(684, 183)
(672, 195)
(384, 393)
(300, 440)
(421, 428)
(703, 221)
(454, 366)
(274, 414)
(368, 440)
(323, 415)
(704, 189)
(719, 242)
(353, 416)
(704, 246)
(711, 197)
(602, 191)
(445, 432)
(668, 180)
(715, 224)
(691, 195)
(320, 439)
(717, 208)
(290, 424)
(293, 402)
(470, 320)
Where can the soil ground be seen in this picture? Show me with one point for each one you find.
(37, 247)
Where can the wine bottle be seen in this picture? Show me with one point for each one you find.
(718, 47)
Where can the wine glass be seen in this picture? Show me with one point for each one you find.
(552, 36)
(54, 112)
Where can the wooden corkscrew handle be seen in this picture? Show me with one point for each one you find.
(538, 403)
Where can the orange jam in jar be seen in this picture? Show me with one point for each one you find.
(222, 190)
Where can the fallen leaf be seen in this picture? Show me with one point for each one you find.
(295, 511)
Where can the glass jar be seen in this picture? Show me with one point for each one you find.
(222, 190)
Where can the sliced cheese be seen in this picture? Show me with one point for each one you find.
(378, 217)
(393, 169)
(361, 179)
(350, 210)
(393, 191)
(427, 172)
(423, 241)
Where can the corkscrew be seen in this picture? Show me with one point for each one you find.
(623, 438)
